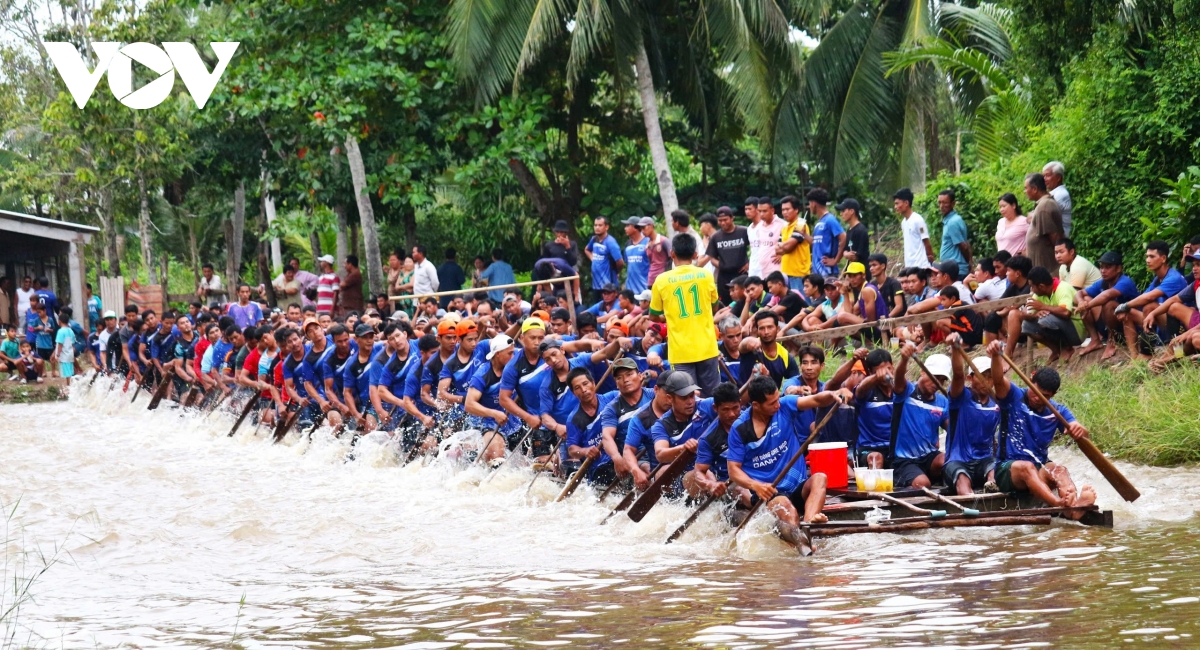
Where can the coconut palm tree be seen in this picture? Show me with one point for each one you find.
(710, 53)
(843, 106)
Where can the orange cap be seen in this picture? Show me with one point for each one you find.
(858, 367)
(466, 326)
(445, 327)
(541, 313)
(308, 321)
(620, 325)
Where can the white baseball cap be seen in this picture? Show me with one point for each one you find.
(498, 344)
(644, 295)
(939, 365)
(983, 364)
(328, 259)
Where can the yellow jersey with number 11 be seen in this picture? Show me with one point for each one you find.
(685, 296)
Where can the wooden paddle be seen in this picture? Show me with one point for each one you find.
(250, 402)
(189, 397)
(316, 425)
(725, 367)
(217, 405)
(616, 482)
(507, 455)
(969, 512)
(932, 514)
(654, 491)
(575, 479)
(694, 516)
(787, 468)
(622, 506)
(549, 458)
(285, 425)
(161, 391)
(1103, 464)
(482, 449)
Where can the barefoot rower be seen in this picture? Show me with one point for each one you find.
(483, 401)
(711, 474)
(762, 442)
(873, 398)
(1029, 428)
(616, 417)
(974, 421)
(923, 410)
(584, 426)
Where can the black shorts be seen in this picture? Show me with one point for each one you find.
(976, 470)
(796, 496)
(908, 470)
(604, 475)
(45, 353)
(993, 322)
(540, 442)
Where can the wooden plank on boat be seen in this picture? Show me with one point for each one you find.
(947, 522)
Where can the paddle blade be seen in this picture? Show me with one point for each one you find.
(654, 492)
(1108, 470)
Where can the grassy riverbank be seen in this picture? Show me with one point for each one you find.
(1136, 415)
(14, 392)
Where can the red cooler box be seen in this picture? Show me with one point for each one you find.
(830, 459)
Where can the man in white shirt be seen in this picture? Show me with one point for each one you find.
(681, 224)
(1053, 173)
(210, 288)
(425, 277)
(752, 232)
(767, 236)
(918, 253)
(24, 294)
(989, 286)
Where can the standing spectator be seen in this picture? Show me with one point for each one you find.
(769, 235)
(683, 298)
(328, 285)
(728, 251)
(956, 245)
(287, 288)
(395, 269)
(306, 279)
(425, 276)
(829, 238)
(479, 264)
(1045, 223)
(1053, 175)
(49, 300)
(6, 305)
(1073, 268)
(93, 305)
(1012, 227)
(658, 249)
(681, 224)
(918, 253)
(64, 348)
(498, 273)
(245, 313)
(559, 257)
(24, 294)
(751, 209)
(351, 290)
(450, 276)
(858, 240)
(210, 289)
(39, 330)
(708, 225)
(795, 244)
(637, 265)
(604, 253)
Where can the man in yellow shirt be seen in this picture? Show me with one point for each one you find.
(683, 298)
(795, 247)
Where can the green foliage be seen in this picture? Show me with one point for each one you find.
(1181, 218)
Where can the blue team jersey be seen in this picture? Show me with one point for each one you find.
(459, 373)
(764, 458)
(220, 354)
(412, 386)
(356, 375)
(162, 347)
(394, 372)
(601, 308)
(556, 398)
(825, 242)
(637, 267)
(975, 427)
(670, 430)
(1171, 284)
(637, 436)
(874, 420)
(619, 413)
(525, 379)
(917, 431)
(334, 368)
(1028, 435)
(1124, 285)
(713, 450)
(605, 256)
(585, 430)
(299, 371)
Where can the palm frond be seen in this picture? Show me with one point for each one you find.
(593, 23)
(546, 24)
(867, 110)
(976, 28)
(959, 63)
(1002, 123)
(912, 147)
(485, 41)
(919, 24)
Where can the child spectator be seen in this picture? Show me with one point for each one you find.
(64, 350)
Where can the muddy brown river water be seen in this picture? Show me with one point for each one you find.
(169, 533)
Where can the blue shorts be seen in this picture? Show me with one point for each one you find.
(796, 284)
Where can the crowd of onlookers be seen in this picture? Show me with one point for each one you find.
(812, 266)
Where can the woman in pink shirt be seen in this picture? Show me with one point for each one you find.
(1011, 229)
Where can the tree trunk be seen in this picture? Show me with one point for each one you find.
(268, 207)
(410, 231)
(343, 237)
(145, 228)
(233, 259)
(658, 149)
(358, 175)
(166, 275)
(108, 220)
(193, 249)
(264, 272)
(314, 242)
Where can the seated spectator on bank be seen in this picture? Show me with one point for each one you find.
(1073, 268)
(967, 324)
(10, 352)
(1000, 259)
(755, 298)
(785, 302)
(1007, 322)
(988, 285)
(1180, 309)
(1049, 316)
(1097, 304)
(30, 366)
(822, 316)
(1166, 282)
(890, 287)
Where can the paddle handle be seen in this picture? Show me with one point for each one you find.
(608, 372)
(787, 468)
(725, 367)
(1089, 448)
(575, 479)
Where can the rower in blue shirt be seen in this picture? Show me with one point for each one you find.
(356, 381)
(457, 372)
(922, 411)
(678, 431)
(585, 426)
(764, 440)
(389, 384)
(428, 347)
(501, 431)
(637, 436)
(873, 399)
(711, 474)
(974, 421)
(620, 412)
(1027, 429)
(557, 401)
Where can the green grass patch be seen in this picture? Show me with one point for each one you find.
(1135, 415)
